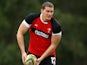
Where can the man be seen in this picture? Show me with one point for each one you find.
(45, 35)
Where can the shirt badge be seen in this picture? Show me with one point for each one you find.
(36, 25)
(49, 29)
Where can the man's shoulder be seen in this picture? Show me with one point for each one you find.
(55, 25)
(33, 15)
(55, 22)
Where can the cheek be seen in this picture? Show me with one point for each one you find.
(45, 14)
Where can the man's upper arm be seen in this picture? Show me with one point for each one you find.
(56, 27)
(57, 32)
(55, 39)
(26, 23)
(22, 28)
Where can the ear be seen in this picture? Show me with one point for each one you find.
(41, 10)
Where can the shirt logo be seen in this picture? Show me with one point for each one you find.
(36, 25)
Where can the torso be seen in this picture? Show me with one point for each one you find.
(40, 36)
(40, 33)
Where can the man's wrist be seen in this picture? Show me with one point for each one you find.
(22, 52)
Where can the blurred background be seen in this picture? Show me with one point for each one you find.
(72, 15)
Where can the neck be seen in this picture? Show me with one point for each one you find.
(43, 19)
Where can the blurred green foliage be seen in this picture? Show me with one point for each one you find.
(72, 15)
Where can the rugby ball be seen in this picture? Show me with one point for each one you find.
(30, 59)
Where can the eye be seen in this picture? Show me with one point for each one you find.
(47, 11)
(51, 11)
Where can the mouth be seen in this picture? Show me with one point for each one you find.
(49, 16)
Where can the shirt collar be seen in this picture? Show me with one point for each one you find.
(42, 19)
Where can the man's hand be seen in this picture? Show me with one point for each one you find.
(38, 61)
(24, 55)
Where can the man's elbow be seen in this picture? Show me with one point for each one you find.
(18, 35)
(53, 47)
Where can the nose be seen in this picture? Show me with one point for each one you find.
(50, 13)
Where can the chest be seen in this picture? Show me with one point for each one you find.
(42, 27)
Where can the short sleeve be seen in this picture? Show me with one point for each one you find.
(29, 18)
(56, 27)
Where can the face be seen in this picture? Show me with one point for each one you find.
(47, 13)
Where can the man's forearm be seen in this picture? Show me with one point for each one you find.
(54, 43)
(48, 52)
(20, 40)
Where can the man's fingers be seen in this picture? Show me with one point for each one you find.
(24, 57)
